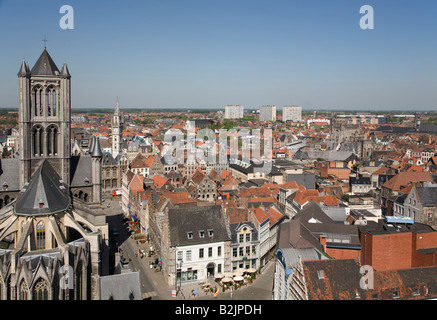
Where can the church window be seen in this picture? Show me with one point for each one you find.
(37, 146)
(37, 100)
(40, 290)
(24, 291)
(52, 140)
(40, 236)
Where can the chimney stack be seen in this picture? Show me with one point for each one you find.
(322, 240)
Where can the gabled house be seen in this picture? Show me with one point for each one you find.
(400, 183)
(195, 244)
(421, 204)
(244, 245)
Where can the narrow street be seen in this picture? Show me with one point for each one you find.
(128, 247)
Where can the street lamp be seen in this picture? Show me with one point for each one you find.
(178, 269)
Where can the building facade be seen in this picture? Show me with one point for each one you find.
(267, 113)
(292, 113)
(234, 112)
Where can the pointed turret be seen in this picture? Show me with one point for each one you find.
(117, 108)
(96, 152)
(24, 70)
(64, 72)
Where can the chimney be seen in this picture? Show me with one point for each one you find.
(323, 241)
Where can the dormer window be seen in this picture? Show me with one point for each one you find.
(201, 234)
(87, 181)
(5, 185)
(190, 235)
(210, 232)
(41, 203)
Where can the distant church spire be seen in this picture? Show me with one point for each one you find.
(117, 108)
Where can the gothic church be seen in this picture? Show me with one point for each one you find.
(53, 230)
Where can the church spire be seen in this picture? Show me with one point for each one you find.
(64, 72)
(24, 70)
(117, 108)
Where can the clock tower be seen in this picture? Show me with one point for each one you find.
(116, 131)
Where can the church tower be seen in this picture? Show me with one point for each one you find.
(116, 131)
(44, 118)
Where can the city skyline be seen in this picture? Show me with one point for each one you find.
(205, 55)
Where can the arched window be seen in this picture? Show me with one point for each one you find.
(41, 290)
(51, 101)
(37, 145)
(52, 140)
(24, 290)
(40, 236)
(37, 100)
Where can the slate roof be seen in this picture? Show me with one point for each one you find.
(45, 66)
(44, 187)
(194, 219)
(293, 234)
(313, 211)
(125, 286)
(235, 227)
(80, 168)
(427, 196)
(9, 172)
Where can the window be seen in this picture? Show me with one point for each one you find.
(190, 235)
(241, 238)
(201, 253)
(209, 252)
(321, 274)
(241, 252)
(219, 268)
(23, 290)
(219, 251)
(179, 255)
(253, 249)
(430, 217)
(40, 290)
(188, 255)
(210, 232)
(396, 294)
(234, 252)
(247, 237)
(40, 236)
(247, 250)
(201, 234)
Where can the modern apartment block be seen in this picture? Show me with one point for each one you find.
(267, 113)
(234, 112)
(292, 113)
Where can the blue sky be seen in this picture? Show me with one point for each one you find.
(210, 53)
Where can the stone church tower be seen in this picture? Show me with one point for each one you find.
(44, 117)
(117, 130)
(54, 238)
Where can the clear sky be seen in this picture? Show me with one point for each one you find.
(211, 53)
